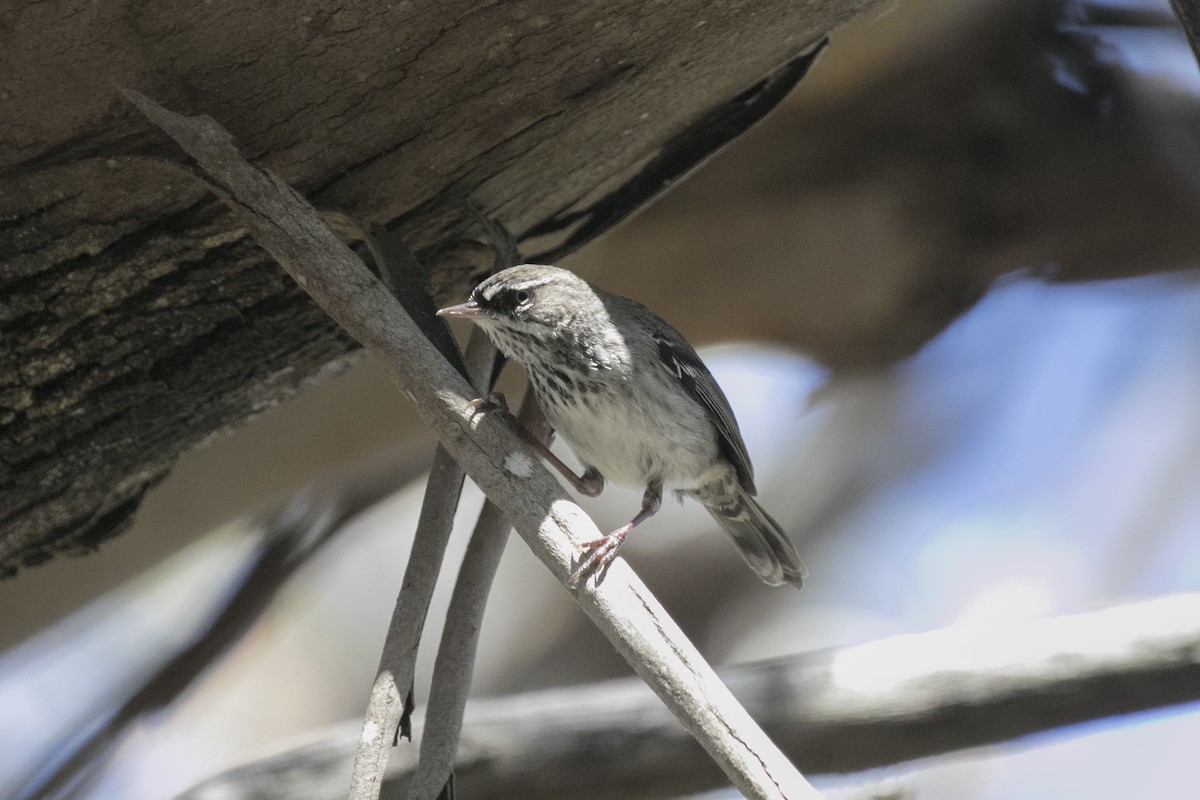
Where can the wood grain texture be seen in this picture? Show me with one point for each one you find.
(137, 316)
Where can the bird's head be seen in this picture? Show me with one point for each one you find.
(545, 316)
(530, 302)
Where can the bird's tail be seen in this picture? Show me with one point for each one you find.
(760, 540)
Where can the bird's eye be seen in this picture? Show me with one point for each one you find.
(523, 297)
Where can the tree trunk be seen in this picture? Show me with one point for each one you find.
(138, 318)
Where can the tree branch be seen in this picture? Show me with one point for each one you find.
(294, 233)
(460, 636)
(387, 709)
(857, 708)
(390, 703)
(456, 655)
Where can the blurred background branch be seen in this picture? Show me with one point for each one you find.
(845, 710)
(284, 539)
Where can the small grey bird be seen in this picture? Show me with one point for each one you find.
(634, 402)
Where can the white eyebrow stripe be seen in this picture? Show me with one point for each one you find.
(532, 283)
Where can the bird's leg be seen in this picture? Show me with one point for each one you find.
(601, 552)
(589, 484)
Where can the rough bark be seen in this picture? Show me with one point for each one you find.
(1188, 12)
(138, 318)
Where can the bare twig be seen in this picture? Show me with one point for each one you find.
(838, 711)
(294, 233)
(390, 702)
(452, 671)
(456, 654)
(460, 636)
(397, 665)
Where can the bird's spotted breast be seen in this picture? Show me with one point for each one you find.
(620, 431)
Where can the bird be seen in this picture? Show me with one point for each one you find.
(634, 402)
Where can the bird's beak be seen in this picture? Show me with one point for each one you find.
(467, 310)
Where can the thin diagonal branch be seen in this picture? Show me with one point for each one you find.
(624, 610)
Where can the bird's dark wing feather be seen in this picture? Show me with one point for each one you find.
(682, 362)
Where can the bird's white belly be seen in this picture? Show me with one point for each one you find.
(627, 441)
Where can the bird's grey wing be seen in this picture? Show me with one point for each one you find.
(682, 362)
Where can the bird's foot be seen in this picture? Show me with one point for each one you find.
(494, 403)
(600, 553)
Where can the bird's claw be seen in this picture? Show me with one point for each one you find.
(600, 555)
(494, 403)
